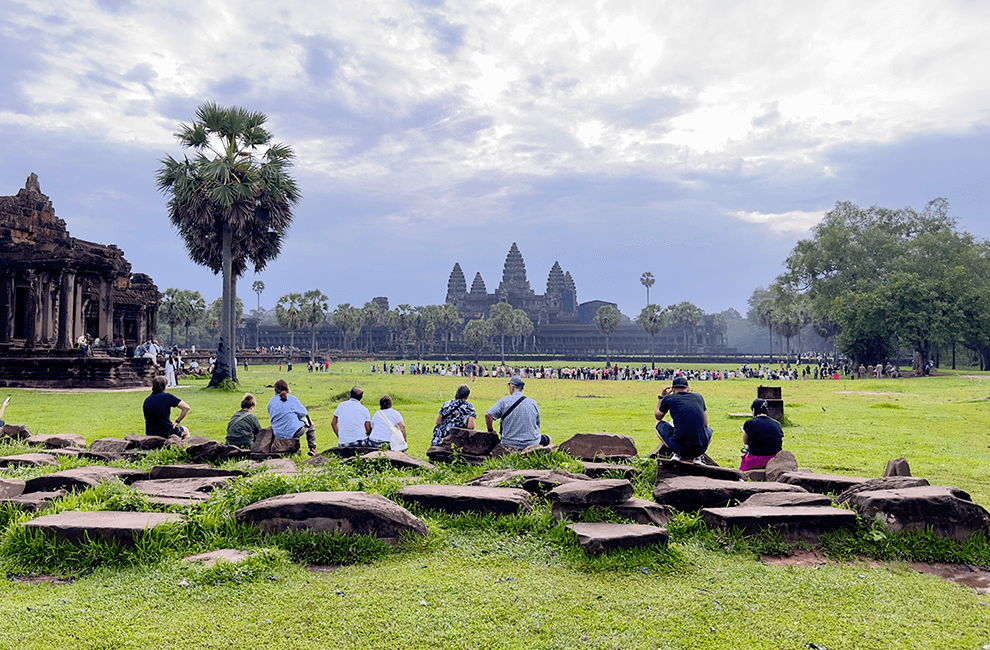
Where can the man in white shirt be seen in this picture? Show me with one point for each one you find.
(352, 421)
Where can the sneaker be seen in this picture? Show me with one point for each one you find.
(312, 451)
(698, 461)
(675, 457)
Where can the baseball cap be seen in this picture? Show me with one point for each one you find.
(516, 381)
(679, 380)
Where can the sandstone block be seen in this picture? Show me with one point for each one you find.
(897, 467)
(111, 527)
(398, 459)
(783, 462)
(947, 510)
(57, 441)
(31, 460)
(599, 446)
(455, 499)
(81, 478)
(690, 493)
(591, 493)
(598, 538)
(795, 523)
(596, 470)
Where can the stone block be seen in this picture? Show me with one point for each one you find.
(398, 459)
(886, 483)
(15, 431)
(455, 499)
(348, 513)
(121, 528)
(783, 462)
(667, 468)
(159, 472)
(794, 523)
(822, 483)
(534, 481)
(29, 460)
(597, 470)
(639, 510)
(439, 454)
(948, 511)
(597, 538)
(471, 442)
(137, 441)
(81, 478)
(599, 446)
(11, 487)
(755, 475)
(897, 467)
(196, 489)
(35, 501)
(113, 446)
(690, 493)
(56, 441)
(207, 560)
(786, 499)
(603, 492)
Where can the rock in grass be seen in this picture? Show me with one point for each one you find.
(121, 528)
(639, 510)
(667, 468)
(35, 501)
(114, 447)
(796, 523)
(690, 493)
(897, 467)
(31, 460)
(597, 538)
(207, 560)
(591, 493)
(596, 470)
(11, 487)
(137, 441)
(785, 499)
(783, 462)
(196, 488)
(534, 481)
(348, 513)
(599, 446)
(81, 478)
(15, 431)
(398, 459)
(57, 441)
(192, 471)
(455, 499)
(948, 511)
(822, 483)
(886, 483)
(471, 442)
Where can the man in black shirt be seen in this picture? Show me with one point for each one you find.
(158, 409)
(689, 435)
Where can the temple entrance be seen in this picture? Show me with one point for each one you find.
(20, 312)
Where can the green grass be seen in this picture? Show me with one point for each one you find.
(508, 582)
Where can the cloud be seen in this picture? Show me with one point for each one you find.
(795, 222)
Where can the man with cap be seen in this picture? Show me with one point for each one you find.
(520, 417)
(689, 435)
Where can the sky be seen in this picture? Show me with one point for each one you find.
(696, 140)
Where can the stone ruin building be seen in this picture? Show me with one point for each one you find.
(54, 288)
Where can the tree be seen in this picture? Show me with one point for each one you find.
(171, 311)
(314, 312)
(607, 321)
(258, 287)
(349, 321)
(289, 314)
(522, 326)
(761, 309)
(194, 309)
(232, 208)
(476, 334)
(647, 280)
(685, 316)
(372, 312)
(427, 320)
(653, 319)
(500, 319)
(449, 317)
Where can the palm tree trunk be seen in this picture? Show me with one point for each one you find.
(232, 319)
(312, 345)
(503, 348)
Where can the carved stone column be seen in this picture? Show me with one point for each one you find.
(105, 307)
(66, 299)
(77, 310)
(31, 310)
(7, 307)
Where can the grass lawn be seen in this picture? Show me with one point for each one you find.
(479, 583)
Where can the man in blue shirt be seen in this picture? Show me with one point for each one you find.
(520, 426)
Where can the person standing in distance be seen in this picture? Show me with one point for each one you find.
(689, 435)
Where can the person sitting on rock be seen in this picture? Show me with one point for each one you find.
(762, 437)
(289, 418)
(158, 410)
(689, 435)
(454, 414)
(244, 424)
(381, 432)
(520, 415)
(352, 421)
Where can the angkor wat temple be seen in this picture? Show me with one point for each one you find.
(54, 288)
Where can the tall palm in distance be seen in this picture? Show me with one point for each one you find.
(647, 280)
(289, 314)
(232, 208)
(258, 287)
(315, 306)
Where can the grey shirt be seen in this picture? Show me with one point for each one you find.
(522, 428)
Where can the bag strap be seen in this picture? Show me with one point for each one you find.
(509, 410)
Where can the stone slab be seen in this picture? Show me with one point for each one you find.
(197, 488)
(231, 555)
(786, 500)
(602, 492)
(29, 460)
(639, 510)
(597, 538)
(81, 478)
(667, 468)
(141, 441)
(783, 462)
(456, 499)
(66, 452)
(192, 471)
(15, 431)
(534, 481)
(57, 441)
(794, 523)
(599, 446)
(470, 441)
(111, 527)
(112, 446)
(947, 510)
(597, 470)
(897, 467)
(349, 513)
(755, 475)
(691, 493)
(885, 483)
(35, 501)
(822, 483)
(398, 459)
(11, 487)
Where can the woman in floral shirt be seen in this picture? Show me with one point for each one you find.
(455, 414)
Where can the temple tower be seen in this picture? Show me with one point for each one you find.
(456, 285)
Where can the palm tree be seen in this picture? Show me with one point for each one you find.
(258, 287)
(232, 208)
(449, 317)
(607, 321)
(348, 320)
(500, 319)
(195, 308)
(315, 306)
(289, 314)
(476, 334)
(372, 318)
(647, 280)
(685, 316)
(171, 311)
(653, 318)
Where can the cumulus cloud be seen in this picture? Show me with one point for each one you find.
(795, 222)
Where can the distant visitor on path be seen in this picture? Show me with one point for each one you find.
(689, 435)
(352, 421)
(244, 424)
(385, 425)
(289, 417)
(763, 437)
(454, 414)
(158, 411)
(520, 415)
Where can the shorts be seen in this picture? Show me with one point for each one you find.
(749, 461)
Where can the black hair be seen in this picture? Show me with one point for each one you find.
(760, 406)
